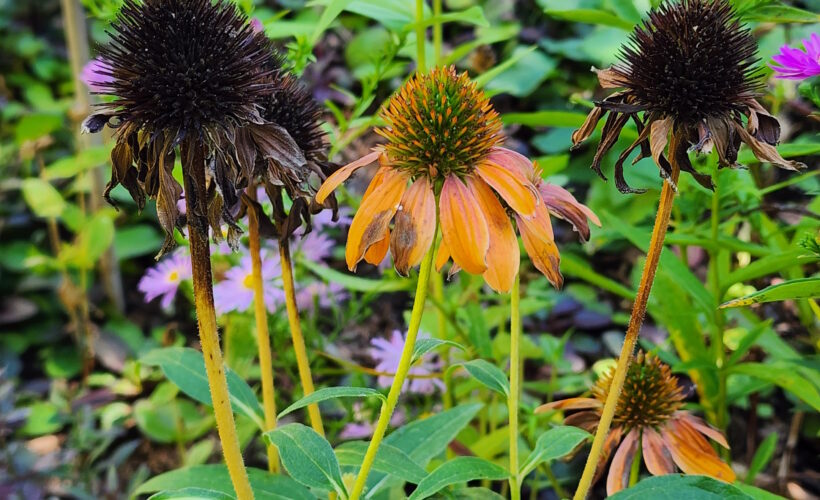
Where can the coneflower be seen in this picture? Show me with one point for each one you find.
(688, 80)
(649, 416)
(187, 75)
(443, 166)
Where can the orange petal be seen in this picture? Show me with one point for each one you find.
(511, 184)
(689, 454)
(503, 256)
(341, 175)
(612, 441)
(375, 182)
(463, 227)
(504, 156)
(655, 455)
(370, 223)
(415, 225)
(707, 430)
(377, 251)
(619, 471)
(570, 404)
(587, 420)
(442, 255)
(536, 234)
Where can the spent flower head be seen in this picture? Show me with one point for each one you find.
(687, 77)
(648, 415)
(443, 163)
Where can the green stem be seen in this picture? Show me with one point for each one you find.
(437, 32)
(421, 35)
(633, 330)
(401, 374)
(719, 322)
(635, 471)
(515, 387)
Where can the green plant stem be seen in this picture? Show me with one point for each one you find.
(633, 330)
(515, 386)
(437, 32)
(421, 35)
(298, 339)
(635, 470)
(401, 374)
(262, 332)
(719, 320)
(193, 172)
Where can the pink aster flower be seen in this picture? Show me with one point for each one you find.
(96, 75)
(387, 354)
(163, 279)
(235, 292)
(796, 64)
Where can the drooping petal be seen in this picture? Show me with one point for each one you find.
(341, 175)
(442, 255)
(370, 223)
(656, 456)
(377, 251)
(613, 439)
(510, 158)
(415, 225)
(503, 255)
(569, 404)
(692, 453)
(561, 203)
(766, 152)
(536, 233)
(586, 420)
(621, 465)
(588, 127)
(463, 226)
(511, 184)
(706, 429)
(659, 137)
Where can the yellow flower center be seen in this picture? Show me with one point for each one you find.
(173, 277)
(247, 282)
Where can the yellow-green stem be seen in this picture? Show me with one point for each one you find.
(632, 331)
(302, 362)
(437, 32)
(635, 469)
(401, 375)
(262, 332)
(515, 386)
(719, 321)
(193, 162)
(421, 35)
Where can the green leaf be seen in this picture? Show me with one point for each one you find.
(487, 76)
(747, 156)
(136, 240)
(42, 198)
(522, 78)
(555, 443)
(757, 493)
(216, 478)
(680, 487)
(771, 264)
(389, 460)
(354, 283)
(489, 375)
(191, 494)
(784, 374)
(93, 240)
(474, 15)
(569, 119)
(331, 393)
(805, 288)
(423, 346)
(591, 16)
(72, 165)
(476, 493)
(458, 470)
(185, 367)
(329, 14)
(307, 457)
(763, 455)
(36, 125)
(43, 418)
(780, 13)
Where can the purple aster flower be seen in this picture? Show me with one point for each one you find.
(96, 75)
(315, 246)
(328, 294)
(387, 354)
(257, 25)
(796, 64)
(163, 279)
(362, 428)
(235, 292)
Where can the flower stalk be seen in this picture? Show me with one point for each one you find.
(298, 339)
(633, 330)
(193, 160)
(401, 374)
(262, 332)
(515, 386)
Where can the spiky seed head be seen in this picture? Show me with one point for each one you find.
(691, 59)
(650, 395)
(291, 106)
(439, 123)
(185, 66)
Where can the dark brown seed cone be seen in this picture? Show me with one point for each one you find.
(689, 70)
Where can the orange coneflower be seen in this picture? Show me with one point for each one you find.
(648, 415)
(444, 142)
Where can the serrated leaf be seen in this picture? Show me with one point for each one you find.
(555, 443)
(307, 457)
(389, 460)
(458, 470)
(489, 375)
(332, 393)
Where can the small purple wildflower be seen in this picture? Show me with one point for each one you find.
(328, 294)
(235, 292)
(796, 64)
(95, 75)
(257, 25)
(315, 246)
(164, 278)
(362, 428)
(387, 354)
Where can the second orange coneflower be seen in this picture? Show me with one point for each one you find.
(444, 149)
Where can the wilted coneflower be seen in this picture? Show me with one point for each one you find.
(444, 141)
(688, 78)
(189, 74)
(443, 167)
(689, 82)
(648, 416)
